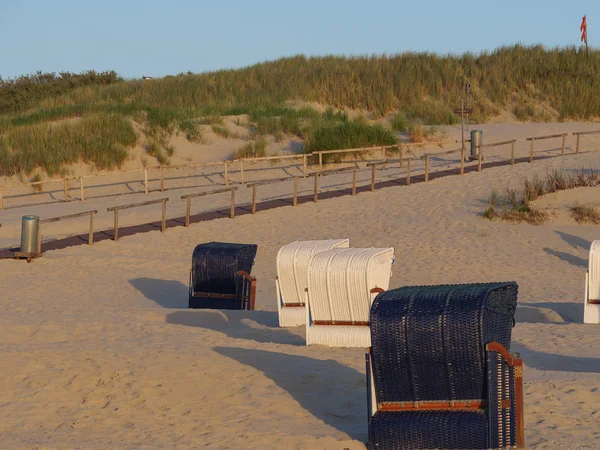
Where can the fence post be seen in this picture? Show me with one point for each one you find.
(81, 188)
(116, 225)
(91, 235)
(145, 180)
(188, 207)
(39, 240)
(164, 216)
(304, 166)
(531, 150)
(226, 175)
(577, 145)
(462, 160)
(354, 181)
(232, 209)
(372, 177)
(562, 150)
(479, 159)
(242, 170)
(400, 153)
(162, 179)
(254, 199)
(408, 172)
(316, 197)
(66, 188)
(426, 168)
(320, 160)
(512, 153)
(295, 200)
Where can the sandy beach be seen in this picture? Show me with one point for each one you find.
(99, 350)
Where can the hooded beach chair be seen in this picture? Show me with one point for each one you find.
(439, 372)
(292, 277)
(220, 276)
(591, 310)
(339, 294)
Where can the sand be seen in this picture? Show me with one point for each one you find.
(99, 351)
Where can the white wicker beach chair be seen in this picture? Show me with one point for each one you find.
(591, 311)
(339, 294)
(292, 277)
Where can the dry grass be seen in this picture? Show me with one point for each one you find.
(585, 214)
(515, 205)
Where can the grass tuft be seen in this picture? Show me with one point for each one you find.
(585, 214)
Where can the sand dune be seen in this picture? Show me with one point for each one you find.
(99, 351)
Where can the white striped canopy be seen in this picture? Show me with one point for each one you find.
(292, 266)
(340, 282)
(591, 312)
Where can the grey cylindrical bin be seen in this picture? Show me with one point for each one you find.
(476, 141)
(30, 227)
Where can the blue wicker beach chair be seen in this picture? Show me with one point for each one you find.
(439, 371)
(220, 276)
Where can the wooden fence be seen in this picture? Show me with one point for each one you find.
(189, 197)
(116, 210)
(66, 217)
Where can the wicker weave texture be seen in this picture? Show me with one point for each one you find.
(339, 290)
(432, 338)
(428, 430)
(591, 313)
(214, 269)
(292, 273)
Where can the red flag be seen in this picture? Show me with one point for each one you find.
(583, 29)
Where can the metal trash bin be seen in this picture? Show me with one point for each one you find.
(30, 227)
(476, 142)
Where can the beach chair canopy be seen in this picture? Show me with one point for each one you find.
(441, 373)
(591, 312)
(292, 266)
(215, 281)
(340, 283)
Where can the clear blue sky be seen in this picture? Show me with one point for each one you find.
(156, 38)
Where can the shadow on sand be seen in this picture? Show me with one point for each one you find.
(560, 363)
(567, 257)
(166, 293)
(329, 390)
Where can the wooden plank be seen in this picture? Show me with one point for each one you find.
(449, 152)
(479, 159)
(550, 136)
(562, 149)
(512, 154)
(116, 225)
(462, 160)
(354, 182)
(164, 216)
(226, 175)
(145, 180)
(242, 170)
(372, 177)
(316, 196)
(408, 172)
(264, 182)
(295, 199)
(203, 194)
(426, 169)
(91, 232)
(320, 159)
(254, 199)
(581, 133)
(496, 144)
(66, 188)
(188, 207)
(331, 171)
(162, 179)
(136, 205)
(82, 198)
(232, 205)
(304, 166)
(68, 216)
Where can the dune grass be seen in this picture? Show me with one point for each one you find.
(418, 89)
(585, 214)
(514, 205)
